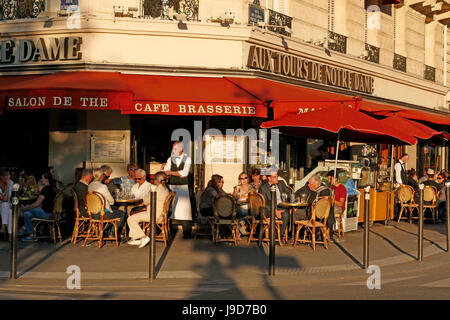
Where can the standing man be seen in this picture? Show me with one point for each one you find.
(400, 170)
(177, 169)
(281, 187)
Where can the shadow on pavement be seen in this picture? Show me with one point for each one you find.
(348, 254)
(393, 245)
(424, 238)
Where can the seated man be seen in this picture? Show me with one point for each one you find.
(81, 187)
(142, 190)
(127, 182)
(340, 194)
(281, 187)
(42, 208)
(98, 186)
(312, 190)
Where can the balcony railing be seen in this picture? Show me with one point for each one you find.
(20, 9)
(339, 44)
(279, 19)
(429, 73)
(373, 53)
(399, 62)
(165, 9)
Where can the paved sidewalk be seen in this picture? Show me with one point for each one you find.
(201, 259)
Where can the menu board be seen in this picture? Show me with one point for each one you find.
(108, 149)
(226, 149)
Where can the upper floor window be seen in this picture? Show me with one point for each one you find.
(383, 5)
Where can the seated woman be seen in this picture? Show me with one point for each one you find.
(213, 191)
(5, 204)
(28, 182)
(42, 208)
(241, 192)
(256, 179)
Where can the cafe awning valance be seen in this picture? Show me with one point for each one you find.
(66, 90)
(191, 96)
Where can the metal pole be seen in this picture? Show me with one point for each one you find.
(273, 197)
(366, 226)
(15, 223)
(391, 182)
(152, 247)
(447, 216)
(420, 249)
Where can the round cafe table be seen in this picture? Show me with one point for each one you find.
(127, 203)
(292, 206)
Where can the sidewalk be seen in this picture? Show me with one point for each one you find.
(201, 259)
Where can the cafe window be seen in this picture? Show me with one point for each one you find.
(384, 8)
(429, 157)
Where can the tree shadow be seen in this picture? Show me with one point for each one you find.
(238, 257)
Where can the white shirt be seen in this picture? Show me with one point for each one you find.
(102, 189)
(398, 170)
(187, 165)
(142, 192)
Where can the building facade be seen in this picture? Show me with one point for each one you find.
(391, 54)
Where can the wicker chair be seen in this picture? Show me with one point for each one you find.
(95, 203)
(405, 195)
(430, 196)
(52, 222)
(81, 223)
(319, 215)
(256, 205)
(339, 221)
(163, 230)
(225, 217)
(204, 225)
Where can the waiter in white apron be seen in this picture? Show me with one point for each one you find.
(177, 168)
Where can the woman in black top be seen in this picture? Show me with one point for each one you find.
(213, 190)
(42, 208)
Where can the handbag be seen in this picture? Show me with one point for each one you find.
(138, 209)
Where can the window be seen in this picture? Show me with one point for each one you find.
(385, 8)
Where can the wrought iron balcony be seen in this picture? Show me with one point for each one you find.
(164, 9)
(399, 62)
(429, 73)
(373, 53)
(20, 9)
(339, 44)
(279, 19)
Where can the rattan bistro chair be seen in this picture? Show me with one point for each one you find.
(405, 195)
(430, 201)
(225, 217)
(95, 203)
(319, 214)
(53, 222)
(256, 206)
(81, 223)
(204, 225)
(162, 227)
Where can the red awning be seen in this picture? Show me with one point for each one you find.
(351, 125)
(191, 96)
(85, 90)
(414, 128)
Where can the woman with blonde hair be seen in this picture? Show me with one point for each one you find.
(240, 193)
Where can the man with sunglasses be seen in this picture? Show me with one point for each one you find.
(126, 182)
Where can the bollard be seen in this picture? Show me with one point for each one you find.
(366, 226)
(420, 249)
(273, 197)
(15, 223)
(447, 215)
(152, 246)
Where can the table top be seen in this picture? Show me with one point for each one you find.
(27, 198)
(128, 201)
(293, 204)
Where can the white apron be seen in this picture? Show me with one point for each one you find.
(182, 205)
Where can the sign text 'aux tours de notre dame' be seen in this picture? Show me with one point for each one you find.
(298, 67)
